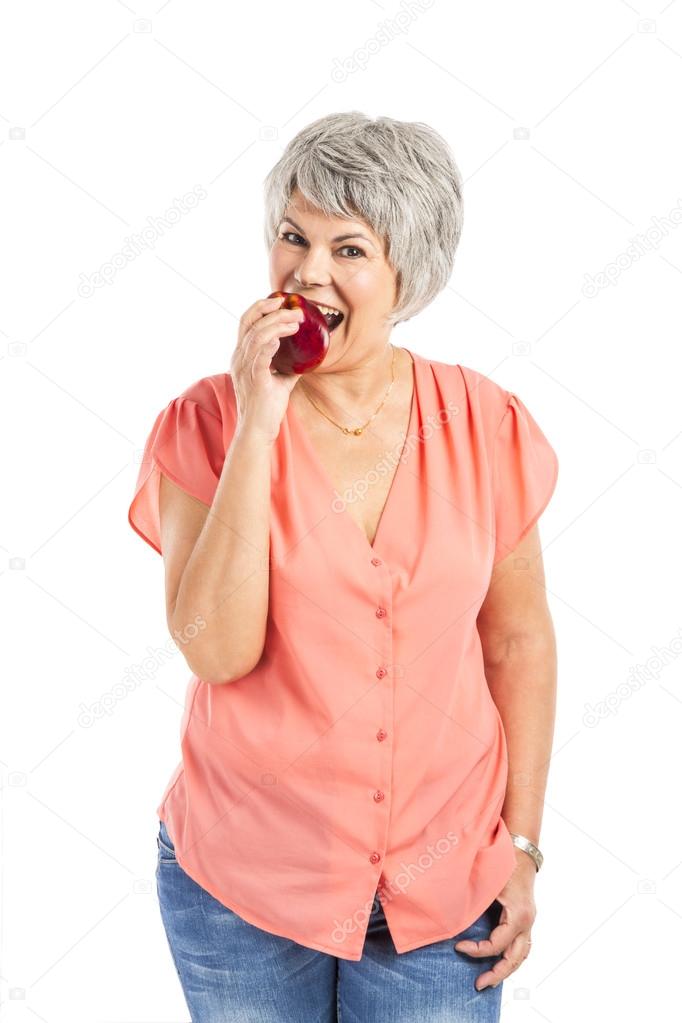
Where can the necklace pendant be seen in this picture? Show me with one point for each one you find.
(357, 431)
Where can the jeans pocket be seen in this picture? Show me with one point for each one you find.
(482, 927)
(165, 845)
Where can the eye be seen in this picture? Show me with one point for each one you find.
(356, 249)
(286, 235)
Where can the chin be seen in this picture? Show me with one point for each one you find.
(335, 351)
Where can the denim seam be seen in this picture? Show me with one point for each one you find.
(162, 845)
(338, 993)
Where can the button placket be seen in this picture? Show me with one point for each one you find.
(385, 647)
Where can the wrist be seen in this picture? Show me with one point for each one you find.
(248, 435)
(525, 864)
(527, 848)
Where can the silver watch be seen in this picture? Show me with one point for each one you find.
(521, 842)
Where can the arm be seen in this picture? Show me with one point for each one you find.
(216, 562)
(519, 651)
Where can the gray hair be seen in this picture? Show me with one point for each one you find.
(399, 177)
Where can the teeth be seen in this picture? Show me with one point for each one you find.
(327, 310)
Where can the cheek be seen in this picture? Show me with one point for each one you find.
(282, 262)
(363, 291)
(272, 266)
(371, 289)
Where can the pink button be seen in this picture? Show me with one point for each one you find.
(380, 612)
(381, 672)
(378, 796)
(376, 561)
(375, 857)
(381, 735)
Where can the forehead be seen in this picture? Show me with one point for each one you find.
(299, 208)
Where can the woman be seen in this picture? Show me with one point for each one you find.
(354, 576)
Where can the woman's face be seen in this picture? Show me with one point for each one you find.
(349, 274)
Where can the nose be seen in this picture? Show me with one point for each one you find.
(312, 270)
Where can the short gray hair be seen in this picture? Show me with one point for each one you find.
(400, 177)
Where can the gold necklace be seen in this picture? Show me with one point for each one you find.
(358, 429)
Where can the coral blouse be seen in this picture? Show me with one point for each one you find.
(364, 753)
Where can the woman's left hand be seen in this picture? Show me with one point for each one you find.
(511, 937)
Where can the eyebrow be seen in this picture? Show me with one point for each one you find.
(339, 237)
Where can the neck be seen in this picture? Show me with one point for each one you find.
(350, 391)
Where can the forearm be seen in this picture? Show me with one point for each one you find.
(522, 682)
(226, 579)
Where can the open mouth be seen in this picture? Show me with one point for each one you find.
(332, 316)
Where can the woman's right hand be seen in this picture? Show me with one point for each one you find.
(262, 394)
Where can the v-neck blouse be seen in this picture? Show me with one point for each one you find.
(364, 753)
(390, 465)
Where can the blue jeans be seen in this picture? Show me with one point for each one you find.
(230, 970)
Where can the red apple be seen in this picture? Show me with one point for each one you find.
(306, 348)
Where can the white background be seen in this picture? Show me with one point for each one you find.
(564, 119)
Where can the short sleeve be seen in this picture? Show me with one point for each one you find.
(186, 444)
(525, 472)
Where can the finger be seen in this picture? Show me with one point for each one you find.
(261, 354)
(262, 360)
(512, 957)
(278, 324)
(255, 313)
(263, 346)
(500, 937)
(258, 309)
(278, 318)
(247, 320)
(260, 337)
